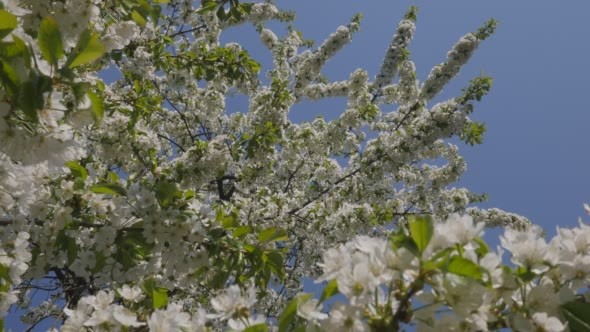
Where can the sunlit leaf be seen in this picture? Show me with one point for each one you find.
(8, 22)
(272, 234)
(108, 189)
(421, 230)
(50, 42)
(88, 49)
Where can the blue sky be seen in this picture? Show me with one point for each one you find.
(533, 160)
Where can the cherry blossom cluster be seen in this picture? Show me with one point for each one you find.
(437, 277)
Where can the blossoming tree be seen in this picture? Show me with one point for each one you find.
(147, 204)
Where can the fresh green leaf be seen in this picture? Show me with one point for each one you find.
(31, 94)
(12, 49)
(108, 189)
(207, 6)
(9, 78)
(257, 328)
(242, 231)
(227, 220)
(8, 22)
(50, 42)
(88, 49)
(272, 234)
(577, 315)
(330, 290)
(96, 106)
(67, 244)
(482, 248)
(138, 18)
(159, 297)
(165, 192)
(77, 170)
(421, 230)
(221, 14)
(464, 267)
(4, 273)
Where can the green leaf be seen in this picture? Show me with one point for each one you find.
(165, 192)
(577, 315)
(399, 239)
(272, 235)
(464, 267)
(227, 220)
(67, 244)
(483, 248)
(108, 189)
(4, 273)
(421, 230)
(290, 312)
(96, 106)
(30, 96)
(207, 6)
(330, 290)
(242, 231)
(138, 18)
(159, 297)
(9, 78)
(88, 49)
(221, 14)
(257, 328)
(8, 23)
(50, 42)
(12, 49)
(77, 170)
(162, 1)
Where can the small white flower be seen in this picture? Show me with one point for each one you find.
(171, 319)
(133, 294)
(546, 323)
(310, 310)
(233, 303)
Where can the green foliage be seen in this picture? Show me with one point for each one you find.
(272, 234)
(465, 268)
(88, 49)
(577, 315)
(30, 95)
(50, 42)
(8, 22)
(473, 133)
(166, 192)
(477, 88)
(235, 13)
(330, 290)
(67, 245)
(77, 170)
(96, 106)
(108, 189)
(412, 13)
(257, 328)
(487, 29)
(157, 295)
(421, 230)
